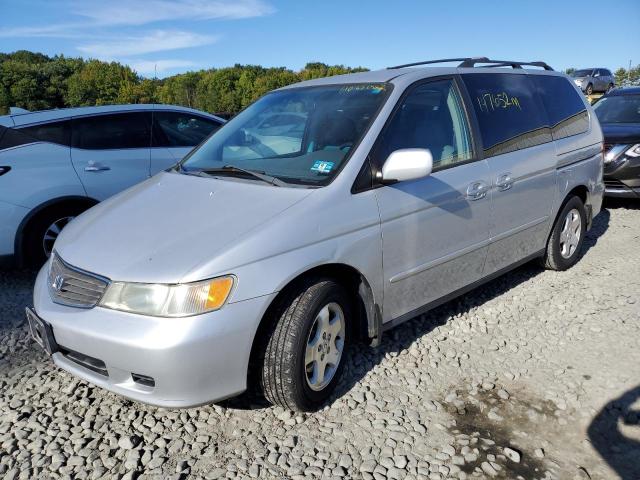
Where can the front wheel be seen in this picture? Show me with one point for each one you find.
(609, 87)
(44, 229)
(589, 89)
(567, 236)
(306, 347)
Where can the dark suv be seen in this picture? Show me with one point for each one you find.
(619, 115)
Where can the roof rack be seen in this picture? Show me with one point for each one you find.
(471, 62)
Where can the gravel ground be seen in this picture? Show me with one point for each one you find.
(535, 375)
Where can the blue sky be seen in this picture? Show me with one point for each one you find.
(179, 35)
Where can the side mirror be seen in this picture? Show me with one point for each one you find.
(407, 164)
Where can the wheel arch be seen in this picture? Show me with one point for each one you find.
(35, 213)
(368, 325)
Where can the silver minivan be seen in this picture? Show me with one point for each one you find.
(325, 213)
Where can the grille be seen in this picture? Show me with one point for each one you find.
(73, 287)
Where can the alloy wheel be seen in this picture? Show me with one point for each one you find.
(52, 232)
(325, 345)
(570, 233)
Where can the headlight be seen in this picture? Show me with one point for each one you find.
(160, 300)
(634, 151)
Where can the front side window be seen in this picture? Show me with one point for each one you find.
(618, 109)
(112, 131)
(510, 114)
(298, 135)
(566, 111)
(177, 129)
(581, 73)
(431, 117)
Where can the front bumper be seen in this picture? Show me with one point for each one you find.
(617, 189)
(622, 178)
(192, 361)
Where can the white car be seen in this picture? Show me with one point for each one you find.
(55, 164)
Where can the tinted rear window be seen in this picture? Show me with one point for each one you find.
(115, 131)
(10, 137)
(565, 108)
(54, 132)
(510, 114)
(178, 129)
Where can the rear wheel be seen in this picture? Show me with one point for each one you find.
(567, 236)
(306, 346)
(44, 229)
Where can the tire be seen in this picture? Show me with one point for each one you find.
(589, 89)
(287, 379)
(563, 248)
(609, 88)
(35, 253)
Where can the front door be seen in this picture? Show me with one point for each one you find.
(111, 152)
(435, 230)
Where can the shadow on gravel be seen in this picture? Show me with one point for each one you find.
(363, 358)
(611, 433)
(16, 292)
(598, 227)
(623, 203)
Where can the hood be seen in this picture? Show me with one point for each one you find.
(160, 229)
(621, 132)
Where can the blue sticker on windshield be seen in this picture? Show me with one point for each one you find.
(322, 167)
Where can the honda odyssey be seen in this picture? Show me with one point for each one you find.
(267, 252)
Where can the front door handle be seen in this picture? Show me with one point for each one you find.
(504, 182)
(477, 190)
(96, 167)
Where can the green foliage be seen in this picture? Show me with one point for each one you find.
(569, 70)
(627, 77)
(35, 81)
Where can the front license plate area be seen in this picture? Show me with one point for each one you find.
(41, 332)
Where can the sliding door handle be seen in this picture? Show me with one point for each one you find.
(504, 182)
(477, 190)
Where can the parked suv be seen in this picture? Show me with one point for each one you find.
(591, 80)
(256, 263)
(55, 164)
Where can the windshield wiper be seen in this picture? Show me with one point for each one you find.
(233, 170)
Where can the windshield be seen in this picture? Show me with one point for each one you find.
(618, 109)
(298, 135)
(582, 73)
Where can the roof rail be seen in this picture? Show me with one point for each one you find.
(471, 62)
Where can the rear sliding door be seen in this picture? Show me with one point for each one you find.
(518, 147)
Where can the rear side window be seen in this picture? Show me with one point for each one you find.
(115, 131)
(10, 137)
(177, 129)
(567, 113)
(54, 132)
(510, 114)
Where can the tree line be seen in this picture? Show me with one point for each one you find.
(35, 81)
